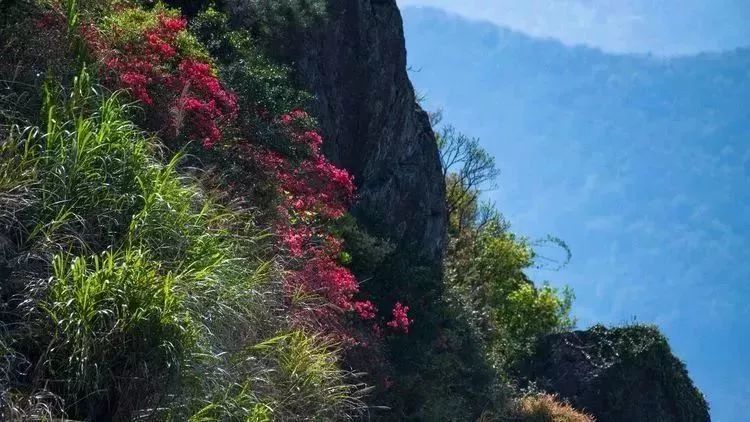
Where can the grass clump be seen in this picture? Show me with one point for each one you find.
(117, 325)
(548, 408)
(304, 364)
(92, 166)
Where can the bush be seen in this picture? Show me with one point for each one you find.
(153, 56)
(277, 24)
(307, 366)
(89, 168)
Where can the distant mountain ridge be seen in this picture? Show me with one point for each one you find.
(525, 64)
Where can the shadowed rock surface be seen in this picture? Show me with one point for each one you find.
(618, 375)
(355, 65)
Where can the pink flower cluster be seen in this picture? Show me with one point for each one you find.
(315, 184)
(313, 192)
(183, 91)
(400, 321)
(366, 310)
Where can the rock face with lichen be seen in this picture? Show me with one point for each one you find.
(355, 65)
(618, 375)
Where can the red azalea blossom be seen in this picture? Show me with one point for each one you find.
(366, 310)
(400, 321)
(174, 24)
(154, 72)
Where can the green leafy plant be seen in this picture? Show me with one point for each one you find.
(279, 24)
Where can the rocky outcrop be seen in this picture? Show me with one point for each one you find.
(355, 65)
(618, 375)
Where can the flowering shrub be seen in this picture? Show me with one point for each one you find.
(313, 192)
(310, 184)
(152, 56)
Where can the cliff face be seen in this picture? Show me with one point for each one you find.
(355, 65)
(618, 375)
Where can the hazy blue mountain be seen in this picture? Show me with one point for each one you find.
(642, 164)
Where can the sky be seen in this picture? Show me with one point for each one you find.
(662, 27)
(657, 214)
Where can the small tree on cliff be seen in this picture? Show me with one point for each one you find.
(468, 170)
(485, 263)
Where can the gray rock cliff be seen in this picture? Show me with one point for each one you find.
(355, 65)
(623, 374)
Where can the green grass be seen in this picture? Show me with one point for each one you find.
(118, 326)
(135, 294)
(305, 370)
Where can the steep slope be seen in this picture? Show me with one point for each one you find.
(355, 65)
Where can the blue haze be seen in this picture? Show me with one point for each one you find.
(661, 27)
(640, 163)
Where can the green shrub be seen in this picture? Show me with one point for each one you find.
(128, 25)
(264, 88)
(277, 24)
(306, 371)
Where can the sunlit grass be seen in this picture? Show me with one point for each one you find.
(138, 296)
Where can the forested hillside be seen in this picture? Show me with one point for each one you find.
(181, 241)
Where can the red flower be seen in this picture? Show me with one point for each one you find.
(152, 69)
(173, 24)
(400, 321)
(366, 310)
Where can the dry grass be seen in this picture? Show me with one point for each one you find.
(548, 408)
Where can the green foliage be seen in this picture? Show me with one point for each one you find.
(113, 322)
(532, 311)
(264, 87)
(301, 380)
(82, 161)
(485, 264)
(308, 366)
(366, 253)
(278, 24)
(448, 378)
(17, 175)
(130, 23)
